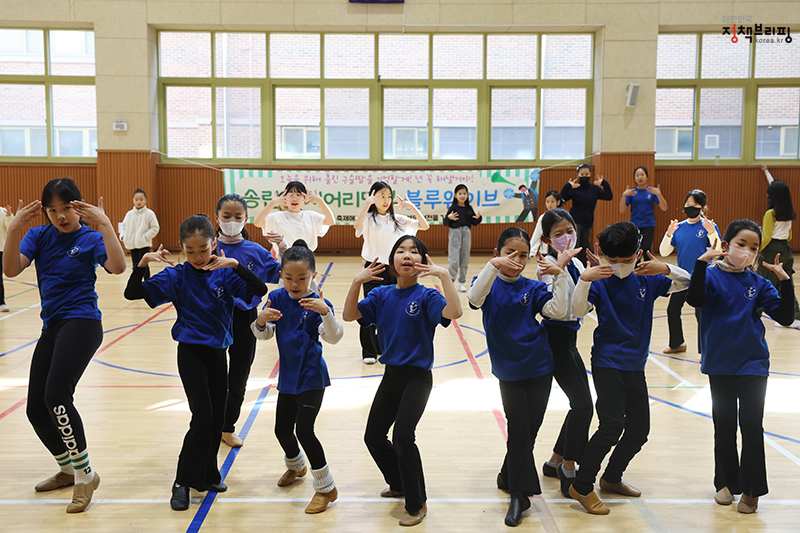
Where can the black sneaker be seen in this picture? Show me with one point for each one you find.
(566, 482)
(502, 483)
(217, 487)
(550, 471)
(180, 498)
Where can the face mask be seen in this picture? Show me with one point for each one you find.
(231, 229)
(692, 212)
(583, 180)
(740, 258)
(623, 270)
(565, 242)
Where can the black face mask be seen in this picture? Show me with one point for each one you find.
(583, 180)
(692, 212)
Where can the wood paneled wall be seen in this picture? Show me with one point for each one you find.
(176, 192)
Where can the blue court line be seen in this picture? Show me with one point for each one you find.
(208, 500)
(698, 362)
(21, 282)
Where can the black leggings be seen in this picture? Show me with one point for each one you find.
(400, 400)
(524, 402)
(623, 408)
(136, 256)
(584, 241)
(570, 374)
(674, 322)
(300, 411)
(742, 398)
(647, 234)
(241, 355)
(369, 334)
(59, 360)
(203, 374)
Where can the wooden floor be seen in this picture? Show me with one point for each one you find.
(136, 414)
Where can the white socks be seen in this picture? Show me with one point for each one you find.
(323, 480)
(295, 463)
(64, 463)
(80, 465)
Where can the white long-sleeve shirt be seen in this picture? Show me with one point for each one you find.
(138, 228)
(331, 330)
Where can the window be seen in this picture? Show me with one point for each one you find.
(742, 104)
(357, 98)
(47, 106)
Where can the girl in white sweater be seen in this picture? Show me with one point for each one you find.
(138, 229)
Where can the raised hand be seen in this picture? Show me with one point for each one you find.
(477, 215)
(314, 198)
(574, 182)
(763, 168)
(268, 314)
(546, 267)
(651, 267)
(777, 268)
(159, 256)
(371, 199)
(655, 190)
(317, 305)
(629, 192)
(25, 215)
(708, 224)
(453, 216)
(403, 203)
(370, 273)
(711, 253)
(220, 261)
(593, 259)
(597, 272)
(508, 261)
(599, 181)
(563, 258)
(431, 269)
(89, 213)
(9, 212)
(673, 225)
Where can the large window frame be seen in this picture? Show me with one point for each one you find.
(48, 80)
(750, 87)
(376, 87)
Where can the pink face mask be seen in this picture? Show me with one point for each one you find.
(739, 257)
(565, 242)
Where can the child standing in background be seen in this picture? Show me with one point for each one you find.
(66, 254)
(202, 289)
(138, 229)
(539, 249)
(6, 216)
(294, 223)
(642, 198)
(233, 241)
(777, 227)
(298, 319)
(735, 356)
(381, 228)
(459, 218)
(584, 195)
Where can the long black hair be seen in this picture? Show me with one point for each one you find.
(299, 252)
(780, 201)
(458, 188)
(237, 199)
(197, 224)
(62, 188)
(513, 233)
(373, 210)
(421, 248)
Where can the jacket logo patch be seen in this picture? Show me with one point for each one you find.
(750, 293)
(412, 309)
(74, 252)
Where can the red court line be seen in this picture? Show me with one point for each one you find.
(501, 421)
(101, 350)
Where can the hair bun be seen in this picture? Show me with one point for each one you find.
(300, 243)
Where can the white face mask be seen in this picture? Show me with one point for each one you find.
(231, 229)
(623, 270)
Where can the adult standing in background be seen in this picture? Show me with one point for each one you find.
(584, 195)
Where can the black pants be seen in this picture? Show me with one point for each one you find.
(136, 256)
(748, 475)
(400, 400)
(59, 360)
(570, 374)
(241, 355)
(369, 334)
(624, 412)
(203, 374)
(674, 322)
(768, 254)
(524, 402)
(647, 234)
(584, 241)
(300, 411)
